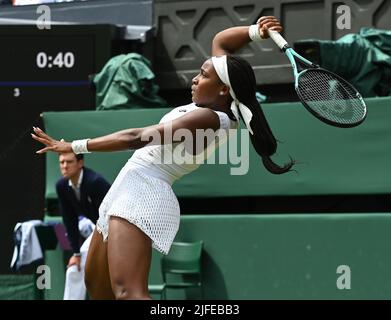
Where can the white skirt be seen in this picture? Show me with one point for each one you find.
(145, 201)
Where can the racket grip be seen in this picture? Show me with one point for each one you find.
(278, 39)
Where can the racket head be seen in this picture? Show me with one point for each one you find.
(330, 98)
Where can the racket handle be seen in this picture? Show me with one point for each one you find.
(278, 39)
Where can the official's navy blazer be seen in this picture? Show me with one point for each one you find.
(92, 191)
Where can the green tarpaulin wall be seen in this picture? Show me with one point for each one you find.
(364, 59)
(19, 287)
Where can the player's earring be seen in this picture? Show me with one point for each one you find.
(221, 93)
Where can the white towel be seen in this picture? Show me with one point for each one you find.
(29, 249)
(75, 289)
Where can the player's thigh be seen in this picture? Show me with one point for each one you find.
(129, 253)
(97, 277)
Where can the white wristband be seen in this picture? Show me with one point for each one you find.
(80, 146)
(253, 33)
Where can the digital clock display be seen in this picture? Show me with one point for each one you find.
(43, 58)
(66, 60)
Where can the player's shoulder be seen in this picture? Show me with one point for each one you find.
(178, 112)
(186, 108)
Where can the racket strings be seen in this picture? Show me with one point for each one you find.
(330, 97)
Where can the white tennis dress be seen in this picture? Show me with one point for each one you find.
(142, 192)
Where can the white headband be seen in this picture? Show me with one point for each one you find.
(220, 65)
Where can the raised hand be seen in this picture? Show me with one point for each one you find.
(59, 146)
(268, 23)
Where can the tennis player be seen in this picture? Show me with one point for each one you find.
(140, 211)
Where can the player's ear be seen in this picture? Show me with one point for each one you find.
(224, 90)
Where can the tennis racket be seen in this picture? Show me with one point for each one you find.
(326, 95)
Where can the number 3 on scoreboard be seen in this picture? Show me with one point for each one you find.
(16, 92)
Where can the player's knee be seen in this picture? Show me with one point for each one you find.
(123, 292)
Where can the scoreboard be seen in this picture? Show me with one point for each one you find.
(51, 67)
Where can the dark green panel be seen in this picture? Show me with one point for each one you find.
(331, 160)
(290, 256)
(18, 287)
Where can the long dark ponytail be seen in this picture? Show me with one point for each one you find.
(243, 83)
